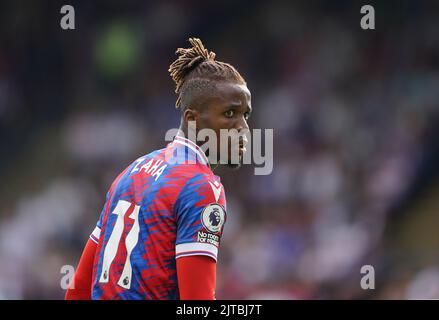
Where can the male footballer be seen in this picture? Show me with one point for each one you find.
(159, 231)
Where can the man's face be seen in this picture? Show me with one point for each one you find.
(229, 108)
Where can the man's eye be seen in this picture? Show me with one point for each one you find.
(229, 113)
(246, 115)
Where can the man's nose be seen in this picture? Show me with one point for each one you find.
(241, 125)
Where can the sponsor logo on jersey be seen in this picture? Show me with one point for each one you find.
(206, 237)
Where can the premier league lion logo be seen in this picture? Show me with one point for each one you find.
(213, 217)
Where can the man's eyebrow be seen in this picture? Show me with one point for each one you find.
(234, 105)
(238, 105)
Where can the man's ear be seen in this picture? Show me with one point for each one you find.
(190, 115)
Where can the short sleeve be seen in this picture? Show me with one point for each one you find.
(201, 214)
(97, 230)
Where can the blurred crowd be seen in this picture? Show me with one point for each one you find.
(353, 114)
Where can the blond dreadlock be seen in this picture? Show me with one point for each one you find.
(197, 63)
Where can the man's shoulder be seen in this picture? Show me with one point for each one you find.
(201, 182)
(190, 173)
(167, 172)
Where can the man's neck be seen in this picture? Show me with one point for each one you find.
(183, 132)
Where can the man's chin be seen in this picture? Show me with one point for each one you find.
(233, 166)
(230, 165)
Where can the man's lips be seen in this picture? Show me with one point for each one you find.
(243, 145)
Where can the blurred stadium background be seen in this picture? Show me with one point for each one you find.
(355, 118)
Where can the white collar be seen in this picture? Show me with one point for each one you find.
(191, 145)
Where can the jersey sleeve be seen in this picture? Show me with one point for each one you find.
(94, 236)
(201, 214)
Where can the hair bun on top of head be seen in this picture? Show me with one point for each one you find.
(197, 64)
(189, 59)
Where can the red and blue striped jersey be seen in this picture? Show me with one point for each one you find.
(165, 205)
